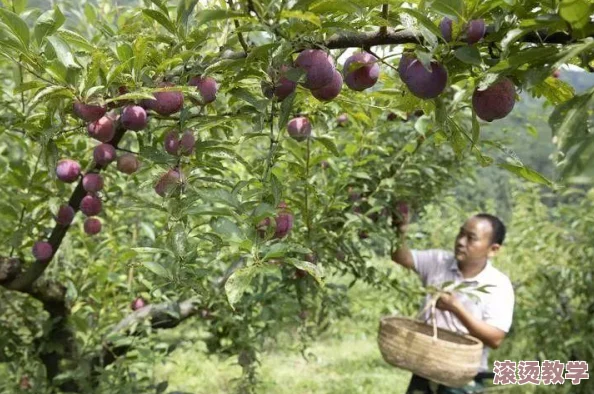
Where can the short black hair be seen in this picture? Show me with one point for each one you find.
(498, 235)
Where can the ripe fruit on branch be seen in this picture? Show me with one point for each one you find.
(186, 143)
(92, 182)
(128, 163)
(299, 128)
(134, 118)
(168, 182)
(318, 66)
(67, 170)
(91, 205)
(102, 129)
(42, 251)
(207, 86)
(283, 220)
(283, 86)
(405, 61)
(446, 28)
(168, 102)
(92, 226)
(475, 31)
(88, 112)
(104, 154)
(331, 90)
(171, 143)
(495, 102)
(361, 71)
(137, 304)
(65, 215)
(423, 83)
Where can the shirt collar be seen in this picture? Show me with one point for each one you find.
(478, 278)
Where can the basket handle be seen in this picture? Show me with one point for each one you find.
(431, 305)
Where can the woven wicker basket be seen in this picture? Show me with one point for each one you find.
(451, 359)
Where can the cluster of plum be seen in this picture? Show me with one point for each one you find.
(102, 126)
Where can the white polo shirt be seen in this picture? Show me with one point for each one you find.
(436, 266)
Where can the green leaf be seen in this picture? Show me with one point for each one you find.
(333, 6)
(48, 23)
(162, 6)
(529, 56)
(569, 120)
(329, 144)
(285, 110)
(247, 96)
(76, 40)
(63, 52)
(424, 21)
(227, 229)
(554, 90)
(161, 19)
(306, 16)
(526, 173)
(157, 269)
(184, 10)
(312, 269)
(177, 240)
(16, 25)
(453, 8)
(214, 15)
(276, 250)
(469, 54)
(575, 12)
(237, 284)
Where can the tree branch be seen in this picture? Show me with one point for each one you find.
(397, 37)
(24, 282)
(165, 315)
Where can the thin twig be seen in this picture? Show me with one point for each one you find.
(239, 35)
(385, 10)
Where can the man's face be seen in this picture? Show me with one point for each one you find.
(473, 242)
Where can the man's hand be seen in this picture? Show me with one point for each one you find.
(448, 302)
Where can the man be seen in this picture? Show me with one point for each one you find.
(489, 320)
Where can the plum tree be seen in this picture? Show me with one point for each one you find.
(103, 129)
(88, 112)
(134, 118)
(92, 182)
(361, 71)
(92, 226)
(330, 91)
(104, 154)
(91, 205)
(423, 83)
(42, 251)
(206, 86)
(318, 67)
(299, 128)
(128, 163)
(65, 215)
(405, 60)
(67, 170)
(496, 101)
